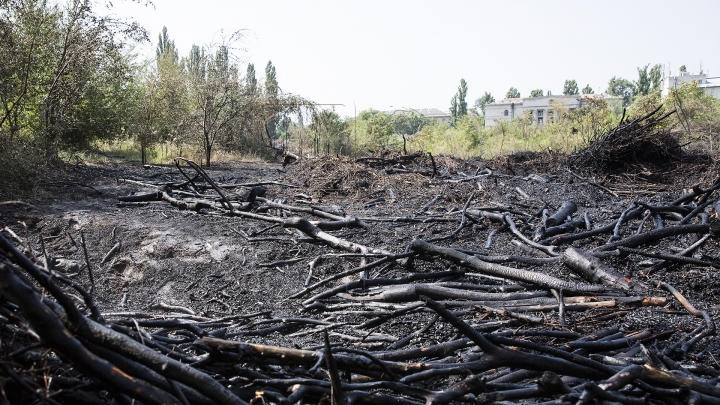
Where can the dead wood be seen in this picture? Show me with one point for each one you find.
(492, 269)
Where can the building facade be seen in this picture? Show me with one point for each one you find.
(542, 109)
(711, 85)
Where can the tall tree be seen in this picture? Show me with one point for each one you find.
(217, 98)
(683, 68)
(587, 89)
(512, 93)
(250, 79)
(165, 47)
(453, 109)
(486, 98)
(536, 93)
(642, 85)
(195, 63)
(620, 87)
(271, 92)
(656, 77)
(271, 84)
(462, 94)
(570, 88)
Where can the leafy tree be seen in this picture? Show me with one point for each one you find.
(587, 90)
(570, 88)
(683, 68)
(620, 87)
(462, 94)
(458, 105)
(250, 80)
(195, 63)
(642, 85)
(271, 84)
(160, 103)
(328, 132)
(53, 57)
(486, 98)
(165, 47)
(536, 93)
(216, 97)
(512, 93)
(656, 77)
(271, 91)
(410, 123)
(453, 109)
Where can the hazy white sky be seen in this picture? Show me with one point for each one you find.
(377, 54)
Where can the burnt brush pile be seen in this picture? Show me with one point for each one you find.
(532, 322)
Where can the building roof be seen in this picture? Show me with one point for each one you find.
(520, 100)
(426, 112)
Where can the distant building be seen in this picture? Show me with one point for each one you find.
(541, 109)
(711, 85)
(433, 113)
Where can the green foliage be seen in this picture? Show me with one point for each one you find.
(587, 90)
(656, 77)
(250, 80)
(536, 93)
(620, 87)
(512, 93)
(683, 68)
(328, 133)
(698, 115)
(570, 88)
(165, 47)
(480, 103)
(410, 123)
(642, 85)
(462, 94)
(453, 109)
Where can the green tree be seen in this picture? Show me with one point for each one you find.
(55, 60)
(453, 109)
(195, 63)
(165, 47)
(642, 85)
(250, 80)
(683, 68)
(656, 77)
(462, 94)
(536, 93)
(570, 88)
(620, 87)
(587, 90)
(216, 97)
(271, 92)
(160, 103)
(480, 102)
(410, 123)
(512, 93)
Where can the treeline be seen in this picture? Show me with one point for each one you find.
(69, 80)
(697, 122)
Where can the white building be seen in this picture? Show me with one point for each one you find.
(542, 109)
(711, 85)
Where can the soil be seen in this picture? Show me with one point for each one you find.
(202, 261)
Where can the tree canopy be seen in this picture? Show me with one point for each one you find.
(512, 93)
(570, 88)
(480, 102)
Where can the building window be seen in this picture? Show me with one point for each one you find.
(505, 113)
(540, 113)
(540, 120)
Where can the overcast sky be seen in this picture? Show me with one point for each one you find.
(412, 54)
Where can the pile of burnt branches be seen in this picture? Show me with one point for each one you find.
(516, 338)
(639, 141)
